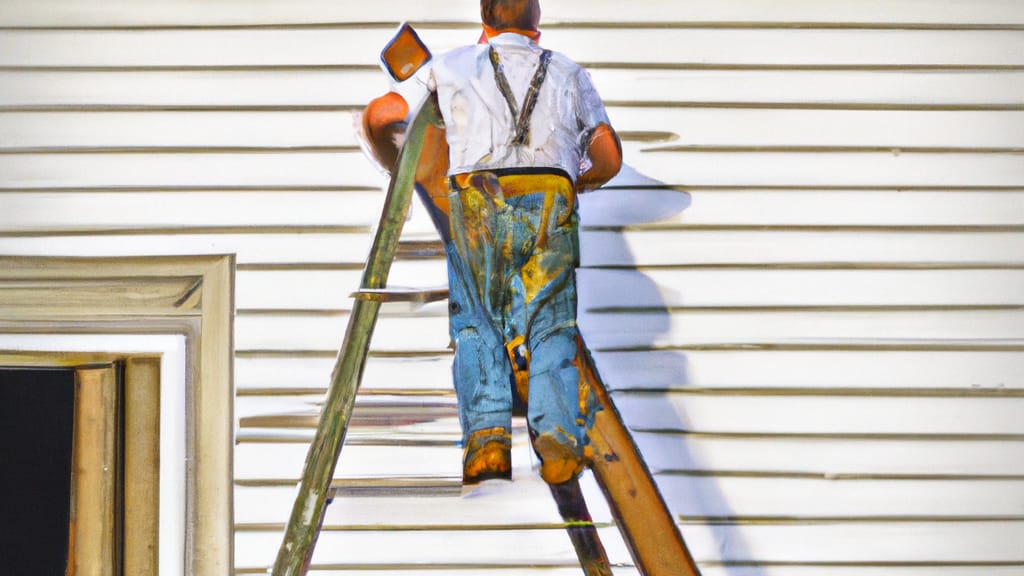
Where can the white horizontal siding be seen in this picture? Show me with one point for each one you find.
(712, 369)
(225, 12)
(535, 547)
(832, 457)
(255, 373)
(284, 462)
(690, 288)
(684, 247)
(61, 211)
(694, 168)
(806, 291)
(879, 569)
(890, 168)
(620, 86)
(41, 211)
(852, 459)
(678, 329)
(826, 126)
(815, 368)
(182, 129)
(827, 498)
(488, 570)
(708, 569)
(857, 415)
(662, 248)
(587, 45)
(896, 543)
(682, 329)
(696, 288)
(400, 510)
(199, 169)
(702, 126)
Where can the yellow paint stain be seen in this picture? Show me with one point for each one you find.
(536, 276)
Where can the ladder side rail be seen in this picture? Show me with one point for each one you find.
(307, 514)
(644, 520)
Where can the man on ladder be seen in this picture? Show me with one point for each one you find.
(525, 132)
(508, 136)
(510, 133)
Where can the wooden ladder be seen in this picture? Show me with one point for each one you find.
(647, 526)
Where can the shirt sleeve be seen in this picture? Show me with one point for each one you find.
(590, 113)
(590, 107)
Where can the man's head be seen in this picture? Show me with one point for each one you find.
(517, 15)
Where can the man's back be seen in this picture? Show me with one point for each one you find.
(479, 117)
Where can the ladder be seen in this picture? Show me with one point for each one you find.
(647, 526)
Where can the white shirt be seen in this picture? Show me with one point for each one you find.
(480, 126)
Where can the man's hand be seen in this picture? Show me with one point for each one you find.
(384, 124)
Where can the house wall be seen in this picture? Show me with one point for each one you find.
(807, 290)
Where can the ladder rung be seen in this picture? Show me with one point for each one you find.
(420, 250)
(403, 486)
(417, 295)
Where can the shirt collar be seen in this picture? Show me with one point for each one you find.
(511, 38)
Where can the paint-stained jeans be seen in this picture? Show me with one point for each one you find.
(511, 267)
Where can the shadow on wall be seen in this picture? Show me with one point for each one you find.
(623, 316)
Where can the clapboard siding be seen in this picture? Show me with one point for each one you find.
(1006, 13)
(673, 288)
(939, 370)
(60, 210)
(550, 547)
(202, 168)
(844, 415)
(713, 569)
(256, 374)
(873, 168)
(657, 248)
(660, 329)
(766, 246)
(780, 544)
(284, 461)
(619, 86)
(272, 47)
(703, 126)
(415, 570)
(888, 168)
(828, 498)
(816, 367)
(878, 569)
(806, 292)
(781, 288)
(758, 413)
(835, 459)
(826, 127)
(48, 210)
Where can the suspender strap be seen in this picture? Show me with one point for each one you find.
(502, 81)
(521, 118)
(523, 126)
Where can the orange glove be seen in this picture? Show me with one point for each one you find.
(384, 123)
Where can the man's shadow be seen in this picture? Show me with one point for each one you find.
(623, 314)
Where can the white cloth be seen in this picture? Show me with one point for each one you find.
(480, 126)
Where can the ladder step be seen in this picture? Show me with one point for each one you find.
(416, 295)
(415, 486)
(420, 249)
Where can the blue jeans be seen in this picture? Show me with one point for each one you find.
(512, 258)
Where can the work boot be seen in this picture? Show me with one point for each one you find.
(487, 456)
(560, 462)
